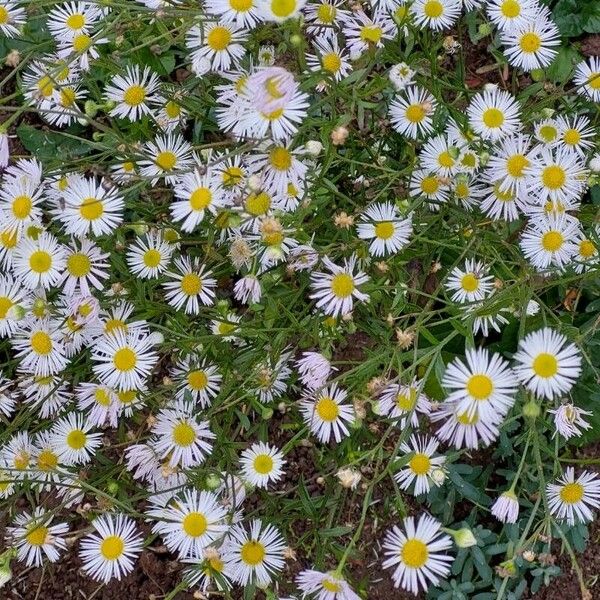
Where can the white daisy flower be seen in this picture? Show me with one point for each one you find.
(404, 403)
(586, 258)
(254, 556)
(436, 14)
(226, 328)
(112, 551)
(324, 18)
(48, 395)
(336, 290)
(575, 133)
(69, 19)
(206, 571)
(168, 155)
(34, 538)
(430, 187)
(587, 78)
(569, 421)
(91, 206)
(39, 346)
(149, 256)
(412, 114)
(421, 465)
(181, 438)
(133, 92)
(124, 361)
(48, 467)
(506, 507)
(314, 370)
(198, 378)
(401, 76)
(99, 402)
(269, 378)
(247, 290)
(387, 230)
(16, 456)
(262, 464)
(547, 364)
(191, 286)
(13, 297)
(193, 521)
(363, 32)
(279, 10)
(507, 15)
(72, 441)
(471, 283)
(325, 586)
(39, 262)
(415, 553)
(571, 499)
(215, 46)
(328, 59)
(20, 203)
(326, 414)
(85, 266)
(508, 164)
(12, 18)
(244, 13)
(494, 114)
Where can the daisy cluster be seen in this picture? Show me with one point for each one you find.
(135, 280)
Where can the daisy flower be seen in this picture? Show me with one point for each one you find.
(429, 186)
(262, 464)
(111, 551)
(207, 570)
(325, 586)
(72, 441)
(243, 13)
(421, 465)
(196, 195)
(149, 256)
(253, 556)
(436, 14)
(586, 258)
(471, 283)
(99, 402)
(546, 363)
(247, 290)
(215, 46)
(314, 370)
(507, 15)
(412, 114)
(336, 290)
(33, 536)
(193, 521)
(498, 204)
(190, 286)
(439, 156)
(226, 328)
(20, 200)
(415, 553)
(39, 262)
(81, 49)
(16, 456)
(575, 133)
(328, 59)
(133, 92)
(558, 175)
(387, 230)
(508, 164)
(197, 378)
(124, 361)
(363, 32)
(485, 385)
(12, 18)
(326, 414)
(49, 394)
(401, 76)
(587, 78)
(531, 45)
(91, 206)
(494, 114)
(506, 507)
(7, 401)
(39, 346)
(569, 421)
(268, 380)
(85, 266)
(404, 403)
(181, 438)
(168, 155)
(48, 468)
(67, 20)
(280, 10)
(13, 296)
(571, 499)
(323, 18)
(550, 241)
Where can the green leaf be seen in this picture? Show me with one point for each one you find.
(51, 146)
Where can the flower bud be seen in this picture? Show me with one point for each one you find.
(314, 147)
(464, 538)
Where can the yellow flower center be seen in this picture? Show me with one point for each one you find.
(480, 386)
(420, 464)
(414, 553)
(195, 524)
(469, 282)
(112, 547)
(241, 5)
(200, 198)
(445, 160)
(258, 204)
(553, 177)
(253, 553)
(462, 190)
(371, 34)
(218, 38)
(331, 586)
(113, 324)
(430, 185)
(191, 284)
(81, 42)
(327, 409)
(47, 460)
(232, 176)
(166, 160)
(125, 359)
(283, 8)
(40, 261)
(76, 439)
(530, 42)
(552, 241)
(510, 9)
(545, 365)
(326, 13)
(197, 380)
(41, 343)
(78, 265)
(493, 118)
(4, 16)
(37, 536)
(516, 164)
(433, 9)
(8, 239)
(572, 493)
(548, 133)
(594, 81)
(384, 230)
(134, 95)
(331, 62)
(127, 397)
(407, 400)
(586, 250)
(571, 137)
(75, 21)
(91, 209)
(5, 305)
(102, 397)
(183, 434)
(45, 86)
(263, 464)
(280, 158)
(152, 258)
(415, 113)
(342, 285)
(21, 206)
